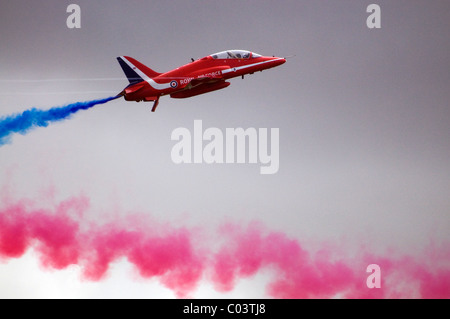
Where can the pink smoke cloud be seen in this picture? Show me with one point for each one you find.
(173, 255)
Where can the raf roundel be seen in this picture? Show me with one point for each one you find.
(173, 84)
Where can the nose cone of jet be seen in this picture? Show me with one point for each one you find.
(278, 61)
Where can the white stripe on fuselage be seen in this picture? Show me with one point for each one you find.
(145, 77)
(247, 66)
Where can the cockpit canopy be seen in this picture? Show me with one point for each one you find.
(235, 54)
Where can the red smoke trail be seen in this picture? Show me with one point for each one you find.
(59, 238)
(173, 256)
(297, 273)
(328, 273)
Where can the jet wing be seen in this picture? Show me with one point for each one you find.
(204, 80)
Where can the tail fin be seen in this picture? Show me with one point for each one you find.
(134, 70)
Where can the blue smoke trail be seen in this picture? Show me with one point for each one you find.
(29, 119)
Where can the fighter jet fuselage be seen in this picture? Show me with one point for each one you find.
(198, 77)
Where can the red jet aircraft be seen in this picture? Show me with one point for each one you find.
(201, 76)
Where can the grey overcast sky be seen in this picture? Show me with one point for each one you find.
(363, 116)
